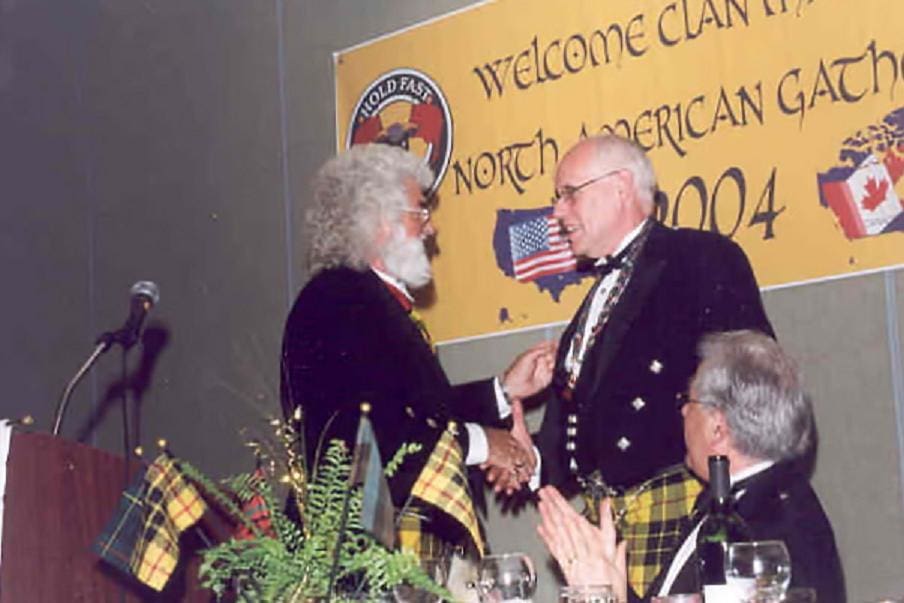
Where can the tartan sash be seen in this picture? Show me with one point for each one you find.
(653, 518)
(443, 483)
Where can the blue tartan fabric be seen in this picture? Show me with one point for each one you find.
(118, 539)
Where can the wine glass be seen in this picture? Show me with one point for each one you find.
(590, 593)
(507, 577)
(800, 595)
(437, 569)
(758, 571)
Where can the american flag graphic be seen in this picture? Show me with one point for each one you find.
(538, 249)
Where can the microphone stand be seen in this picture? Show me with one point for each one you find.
(104, 342)
(126, 445)
(126, 340)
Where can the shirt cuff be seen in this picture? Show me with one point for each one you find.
(502, 403)
(534, 482)
(478, 449)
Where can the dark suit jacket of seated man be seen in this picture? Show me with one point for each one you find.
(745, 402)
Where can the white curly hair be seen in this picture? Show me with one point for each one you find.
(354, 192)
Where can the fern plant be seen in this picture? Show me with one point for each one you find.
(292, 564)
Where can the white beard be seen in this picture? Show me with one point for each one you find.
(406, 259)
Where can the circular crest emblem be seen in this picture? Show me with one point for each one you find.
(407, 109)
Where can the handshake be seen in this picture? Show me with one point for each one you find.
(512, 459)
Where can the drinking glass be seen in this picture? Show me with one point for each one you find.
(800, 595)
(758, 571)
(507, 577)
(678, 598)
(591, 593)
(437, 570)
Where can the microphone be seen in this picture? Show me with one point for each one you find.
(144, 296)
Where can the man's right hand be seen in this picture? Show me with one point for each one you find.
(531, 371)
(509, 463)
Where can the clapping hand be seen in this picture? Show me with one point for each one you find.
(586, 554)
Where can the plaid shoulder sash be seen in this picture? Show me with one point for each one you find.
(653, 517)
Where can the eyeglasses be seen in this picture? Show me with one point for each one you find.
(685, 398)
(421, 212)
(567, 192)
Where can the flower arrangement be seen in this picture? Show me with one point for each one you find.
(327, 556)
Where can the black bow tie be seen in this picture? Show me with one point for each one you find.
(610, 264)
(613, 262)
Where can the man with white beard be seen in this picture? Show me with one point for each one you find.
(352, 336)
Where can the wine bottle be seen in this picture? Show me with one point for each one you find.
(720, 527)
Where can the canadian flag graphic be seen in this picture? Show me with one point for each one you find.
(863, 199)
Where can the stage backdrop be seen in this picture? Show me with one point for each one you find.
(779, 123)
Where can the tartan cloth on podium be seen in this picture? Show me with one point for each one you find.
(171, 506)
(117, 541)
(142, 539)
(653, 516)
(444, 484)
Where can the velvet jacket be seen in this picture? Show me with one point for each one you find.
(348, 340)
(622, 419)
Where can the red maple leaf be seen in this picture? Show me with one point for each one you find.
(875, 194)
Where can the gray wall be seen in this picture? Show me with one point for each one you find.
(173, 141)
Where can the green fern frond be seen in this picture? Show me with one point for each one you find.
(295, 565)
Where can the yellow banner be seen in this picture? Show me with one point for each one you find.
(779, 123)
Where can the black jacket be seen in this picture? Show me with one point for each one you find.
(348, 340)
(779, 504)
(686, 283)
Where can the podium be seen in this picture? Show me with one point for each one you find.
(59, 496)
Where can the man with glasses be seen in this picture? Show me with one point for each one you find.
(352, 336)
(630, 348)
(746, 403)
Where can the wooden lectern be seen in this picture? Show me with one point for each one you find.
(59, 497)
